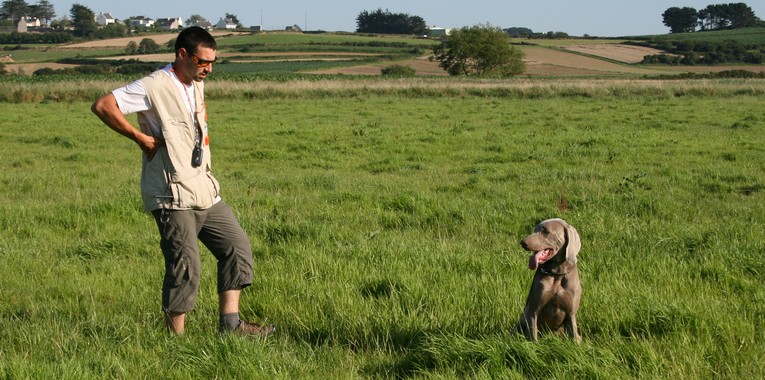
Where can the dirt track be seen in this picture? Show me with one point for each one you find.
(617, 52)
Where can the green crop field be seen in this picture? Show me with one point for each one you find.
(744, 36)
(385, 219)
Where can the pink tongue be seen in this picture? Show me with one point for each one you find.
(538, 258)
(533, 261)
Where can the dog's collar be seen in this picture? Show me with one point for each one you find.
(548, 273)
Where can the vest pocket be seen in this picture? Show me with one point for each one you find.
(193, 189)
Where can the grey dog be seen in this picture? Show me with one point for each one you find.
(555, 290)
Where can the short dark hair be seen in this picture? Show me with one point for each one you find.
(193, 37)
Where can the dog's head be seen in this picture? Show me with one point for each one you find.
(553, 239)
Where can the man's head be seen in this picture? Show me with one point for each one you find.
(195, 51)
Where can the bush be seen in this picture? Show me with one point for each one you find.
(754, 57)
(95, 69)
(131, 48)
(137, 68)
(35, 38)
(479, 50)
(398, 70)
(148, 46)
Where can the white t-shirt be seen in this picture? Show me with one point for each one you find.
(132, 99)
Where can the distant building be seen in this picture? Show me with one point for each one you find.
(26, 22)
(169, 23)
(32, 22)
(226, 23)
(438, 32)
(21, 27)
(141, 22)
(104, 19)
(202, 23)
(294, 28)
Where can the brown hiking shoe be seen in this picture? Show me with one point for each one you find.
(253, 329)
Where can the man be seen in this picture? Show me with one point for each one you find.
(177, 185)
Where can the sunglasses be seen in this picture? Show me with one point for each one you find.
(202, 62)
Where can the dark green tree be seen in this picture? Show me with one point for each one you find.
(727, 16)
(14, 10)
(680, 20)
(194, 19)
(742, 16)
(519, 32)
(83, 20)
(61, 23)
(43, 10)
(479, 50)
(235, 19)
(385, 22)
(111, 31)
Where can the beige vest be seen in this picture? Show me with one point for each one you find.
(169, 180)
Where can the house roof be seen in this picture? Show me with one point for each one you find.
(168, 21)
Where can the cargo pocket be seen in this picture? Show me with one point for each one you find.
(177, 273)
(194, 189)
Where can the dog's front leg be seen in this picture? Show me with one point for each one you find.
(537, 298)
(528, 326)
(571, 329)
(533, 332)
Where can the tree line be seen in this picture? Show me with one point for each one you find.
(713, 17)
(386, 22)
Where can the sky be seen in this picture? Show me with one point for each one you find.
(601, 18)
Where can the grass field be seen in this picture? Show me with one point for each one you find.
(385, 225)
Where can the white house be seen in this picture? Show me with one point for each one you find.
(438, 31)
(104, 19)
(141, 22)
(27, 22)
(225, 24)
(32, 22)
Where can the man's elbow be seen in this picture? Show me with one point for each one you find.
(100, 106)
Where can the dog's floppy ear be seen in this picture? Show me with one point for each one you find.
(573, 243)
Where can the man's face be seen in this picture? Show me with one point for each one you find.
(200, 63)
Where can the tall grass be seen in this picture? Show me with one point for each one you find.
(385, 228)
(308, 86)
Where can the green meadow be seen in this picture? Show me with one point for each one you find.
(385, 226)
